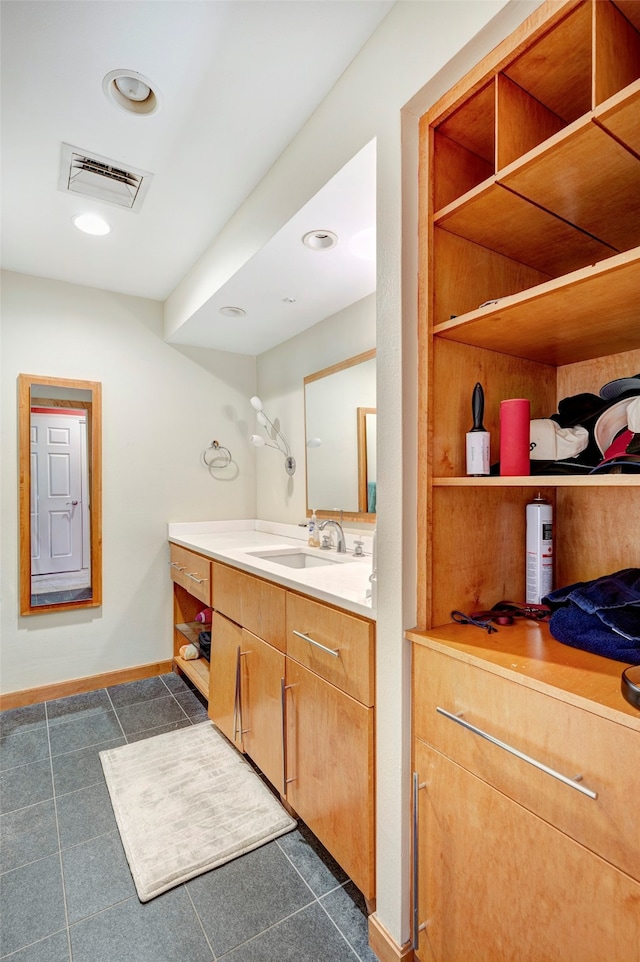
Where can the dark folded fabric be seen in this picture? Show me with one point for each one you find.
(601, 616)
(204, 641)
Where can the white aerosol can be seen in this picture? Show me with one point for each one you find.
(539, 573)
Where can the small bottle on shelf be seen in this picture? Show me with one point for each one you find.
(312, 530)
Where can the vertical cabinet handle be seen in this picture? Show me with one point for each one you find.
(283, 701)
(237, 699)
(416, 926)
(283, 706)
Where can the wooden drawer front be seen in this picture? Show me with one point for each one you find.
(330, 770)
(497, 884)
(227, 593)
(566, 739)
(351, 668)
(255, 604)
(192, 571)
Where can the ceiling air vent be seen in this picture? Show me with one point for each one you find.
(91, 175)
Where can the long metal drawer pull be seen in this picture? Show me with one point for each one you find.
(193, 576)
(334, 652)
(237, 698)
(283, 704)
(414, 941)
(174, 564)
(571, 782)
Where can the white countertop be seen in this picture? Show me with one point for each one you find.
(344, 583)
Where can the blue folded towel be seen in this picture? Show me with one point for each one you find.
(601, 616)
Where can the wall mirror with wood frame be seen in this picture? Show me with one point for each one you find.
(340, 448)
(60, 493)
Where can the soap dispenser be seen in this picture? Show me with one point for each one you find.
(313, 532)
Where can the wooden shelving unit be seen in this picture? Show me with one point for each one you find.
(530, 194)
(529, 283)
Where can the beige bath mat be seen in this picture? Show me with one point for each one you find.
(186, 802)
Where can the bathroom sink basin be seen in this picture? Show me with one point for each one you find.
(294, 557)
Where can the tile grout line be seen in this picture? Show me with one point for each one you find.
(55, 809)
(331, 919)
(200, 922)
(113, 708)
(274, 925)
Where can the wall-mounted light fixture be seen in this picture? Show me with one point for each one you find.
(278, 440)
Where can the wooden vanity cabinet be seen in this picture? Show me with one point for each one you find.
(300, 703)
(529, 187)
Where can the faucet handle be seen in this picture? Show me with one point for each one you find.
(358, 553)
(326, 541)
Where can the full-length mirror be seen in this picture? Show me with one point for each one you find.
(340, 404)
(60, 432)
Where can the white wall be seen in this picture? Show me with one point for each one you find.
(280, 374)
(161, 407)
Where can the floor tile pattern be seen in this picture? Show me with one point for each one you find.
(65, 887)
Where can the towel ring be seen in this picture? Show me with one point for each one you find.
(221, 457)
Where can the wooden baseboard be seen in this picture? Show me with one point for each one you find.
(31, 696)
(384, 946)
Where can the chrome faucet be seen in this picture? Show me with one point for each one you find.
(342, 546)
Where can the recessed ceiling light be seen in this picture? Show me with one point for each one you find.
(91, 224)
(320, 240)
(131, 91)
(233, 311)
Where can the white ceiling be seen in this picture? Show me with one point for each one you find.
(237, 79)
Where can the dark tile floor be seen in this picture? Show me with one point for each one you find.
(66, 891)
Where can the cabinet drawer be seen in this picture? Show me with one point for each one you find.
(255, 604)
(338, 646)
(569, 740)
(192, 571)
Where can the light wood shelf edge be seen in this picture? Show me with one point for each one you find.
(526, 653)
(197, 670)
(592, 283)
(541, 480)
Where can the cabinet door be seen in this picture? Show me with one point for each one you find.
(224, 677)
(261, 706)
(329, 769)
(497, 882)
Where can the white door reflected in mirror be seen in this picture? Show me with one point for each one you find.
(60, 493)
